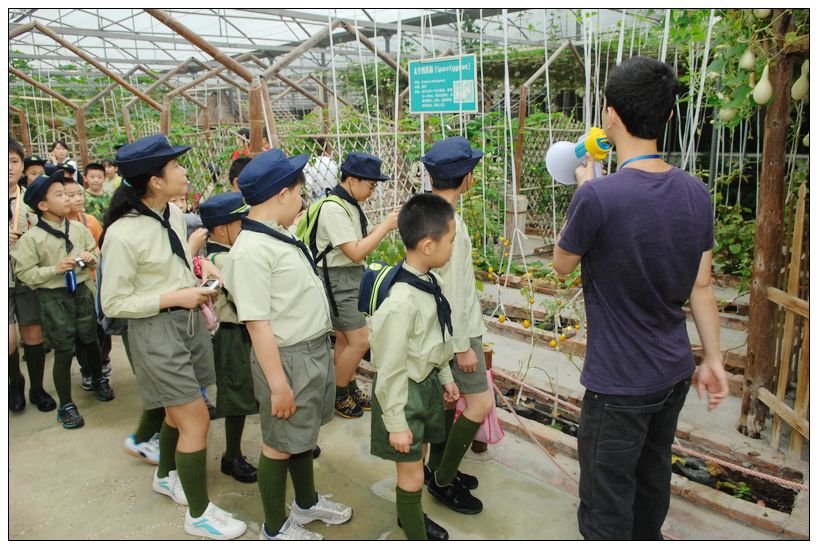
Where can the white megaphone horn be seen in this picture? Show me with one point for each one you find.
(563, 158)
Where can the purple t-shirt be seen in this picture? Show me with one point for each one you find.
(641, 236)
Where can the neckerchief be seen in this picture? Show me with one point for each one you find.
(215, 248)
(258, 227)
(444, 310)
(59, 234)
(175, 244)
(341, 192)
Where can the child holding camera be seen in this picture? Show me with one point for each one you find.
(52, 258)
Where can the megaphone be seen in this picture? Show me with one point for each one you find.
(563, 157)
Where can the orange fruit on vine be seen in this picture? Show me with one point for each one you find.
(577, 327)
(501, 318)
(562, 337)
(531, 301)
(553, 343)
(526, 323)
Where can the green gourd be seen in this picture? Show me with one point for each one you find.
(801, 86)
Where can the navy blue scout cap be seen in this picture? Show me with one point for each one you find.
(269, 172)
(363, 166)
(147, 154)
(34, 160)
(38, 188)
(222, 209)
(451, 158)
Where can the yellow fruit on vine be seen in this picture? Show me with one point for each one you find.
(577, 327)
(505, 254)
(501, 318)
(553, 343)
(491, 269)
(562, 337)
(531, 301)
(526, 324)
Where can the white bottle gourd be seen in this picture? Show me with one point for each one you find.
(747, 61)
(764, 89)
(801, 86)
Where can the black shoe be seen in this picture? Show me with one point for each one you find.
(434, 531)
(361, 400)
(239, 469)
(17, 398)
(70, 417)
(456, 497)
(467, 481)
(316, 452)
(348, 408)
(42, 400)
(103, 390)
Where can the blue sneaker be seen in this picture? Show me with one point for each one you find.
(215, 523)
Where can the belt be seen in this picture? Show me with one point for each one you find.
(171, 309)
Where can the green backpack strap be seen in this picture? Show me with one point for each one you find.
(307, 229)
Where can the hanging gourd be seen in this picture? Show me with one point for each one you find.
(801, 86)
(748, 60)
(764, 89)
(727, 114)
(761, 13)
(806, 140)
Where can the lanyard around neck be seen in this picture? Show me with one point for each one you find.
(640, 157)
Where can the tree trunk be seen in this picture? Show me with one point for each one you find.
(759, 370)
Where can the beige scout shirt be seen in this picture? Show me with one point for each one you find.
(140, 266)
(457, 280)
(406, 343)
(37, 252)
(338, 225)
(272, 280)
(225, 309)
(25, 220)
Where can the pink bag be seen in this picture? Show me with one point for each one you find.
(208, 312)
(490, 431)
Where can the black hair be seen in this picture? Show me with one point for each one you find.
(126, 195)
(108, 162)
(244, 132)
(16, 148)
(643, 91)
(237, 166)
(447, 184)
(93, 166)
(71, 181)
(424, 215)
(58, 142)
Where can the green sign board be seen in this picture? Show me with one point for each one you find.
(445, 84)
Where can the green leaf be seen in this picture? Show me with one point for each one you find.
(735, 248)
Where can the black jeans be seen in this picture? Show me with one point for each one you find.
(625, 462)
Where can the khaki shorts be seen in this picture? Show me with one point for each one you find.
(171, 366)
(345, 282)
(66, 317)
(26, 305)
(311, 374)
(472, 382)
(234, 379)
(424, 414)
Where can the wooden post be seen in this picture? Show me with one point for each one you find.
(302, 91)
(126, 120)
(272, 131)
(256, 121)
(518, 153)
(26, 135)
(164, 116)
(801, 395)
(758, 372)
(81, 137)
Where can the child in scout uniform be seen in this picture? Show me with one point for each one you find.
(112, 177)
(53, 259)
(271, 278)
(410, 334)
(24, 307)
(235, 399)
(343, 242)
(149, 280)
(96, 199)
(34, 167)
(450, 163)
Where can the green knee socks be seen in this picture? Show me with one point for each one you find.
(150, 423)
(191, 469)
(460, 438)
(410, 513)
(15, 375)
(300, 466)
(62, 375)
(436, 449)
(35, 360)
(272, 483)
(168, 437)
(233, 429)
(93, 358)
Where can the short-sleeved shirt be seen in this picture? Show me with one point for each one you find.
(641, 236)
(96, 205)
(225, 309)
(338, 225)
(272, 280)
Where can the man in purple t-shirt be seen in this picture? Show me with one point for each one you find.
(644, 236)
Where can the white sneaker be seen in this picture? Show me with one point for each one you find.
(328, 512)
(290, 531)
(169, 486)
(215, 523)
(146, 451)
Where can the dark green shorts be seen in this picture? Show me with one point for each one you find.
(345, 282)
(472, 382)
(170, 364)
(311, 374)
(67, 318)
(424, 414)
(234, 379)
(26, 305)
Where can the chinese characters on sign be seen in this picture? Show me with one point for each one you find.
(446, 84)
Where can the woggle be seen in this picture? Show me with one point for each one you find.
(564, 157)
